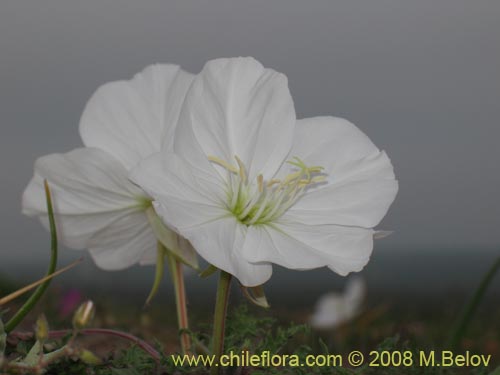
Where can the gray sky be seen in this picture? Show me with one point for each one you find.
(421, 78)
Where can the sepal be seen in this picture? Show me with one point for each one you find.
(256, 295)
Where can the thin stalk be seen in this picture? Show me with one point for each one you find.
(175, 267)
(471, 307)
(26, 289)
(37, 294)
(220, 314)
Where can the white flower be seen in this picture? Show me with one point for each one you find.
(249, 185)
(335, 309)
(96, 205)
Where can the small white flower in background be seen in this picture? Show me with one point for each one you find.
(249, 185)
(335, 309)
(96, 206)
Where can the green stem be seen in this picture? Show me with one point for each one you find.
(23, 336)
(471, 307)
(175, 267)
(220, 318)
(37, 294)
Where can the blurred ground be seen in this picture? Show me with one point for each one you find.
(424, 315)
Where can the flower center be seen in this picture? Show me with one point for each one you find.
(259, 201)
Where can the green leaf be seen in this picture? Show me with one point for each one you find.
(34, 354)
(37, 294)
(3, 338)
(324, 347)
(170, 240)
(471, 307)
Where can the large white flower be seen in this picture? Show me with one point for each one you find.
(96, 205)
(249, 185)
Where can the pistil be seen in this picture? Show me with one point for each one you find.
(259, 202)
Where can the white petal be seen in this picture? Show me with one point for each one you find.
(299, 246)
(334, 309)
(129, 119)
(355, 291)
(329, 312)
(331, 141)
(90, 191)
(185, 204)
(221, 243)
(123, 243)
(149, 257)
(171, 240)
(360, 203)
(361, 184)
(191, 206)
(237, 107)
(180, 199)
(269, 244)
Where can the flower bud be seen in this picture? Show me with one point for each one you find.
(42, 328)
(84, 315)
(89, 358)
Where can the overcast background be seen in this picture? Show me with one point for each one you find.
(421, 78)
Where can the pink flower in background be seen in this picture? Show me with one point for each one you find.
(69, 302)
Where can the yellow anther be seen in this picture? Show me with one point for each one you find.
(223, 163)
(316, 169)
(273, 182)
(260, 182)
(242, 171)
(291, 177)
(273, 197)
(318, 179)
(304, 182)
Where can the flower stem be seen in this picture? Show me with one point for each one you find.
(175, 267)
(471, 307)
(38, 293)
(220, 318)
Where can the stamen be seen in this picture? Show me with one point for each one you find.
(261, 202)
(273, 182)
(289, 203)
(261, 209)
(248, 207)
(275, 208)
(242, 171)
(291, 177)
(298, 163)
(223, 163)
(260, 182)
(317, 179)
(235, 189)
